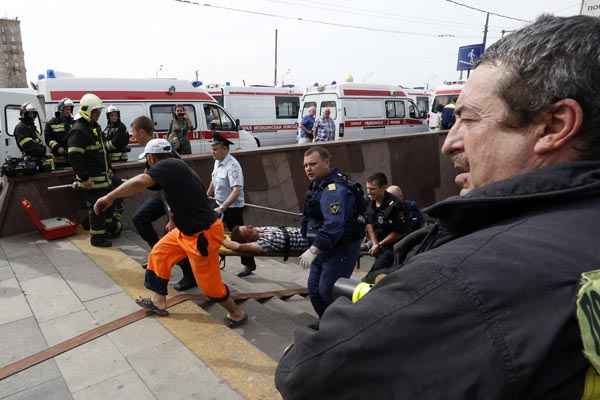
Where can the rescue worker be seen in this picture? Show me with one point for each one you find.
(447, 119)
(116, 138)
(179, 129)
(334, 224)
(500, 299)
(56, 132)
(196, 232)
(227, 186)
(27, 135)
(89, 159)
(116, 135)
(387, 222)
(154, 207)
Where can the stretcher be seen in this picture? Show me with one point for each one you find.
(225, 252)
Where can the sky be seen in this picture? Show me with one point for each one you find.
(412, 43)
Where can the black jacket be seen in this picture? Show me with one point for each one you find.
(28, 139)
(87, 153)
(117, 141)
(56, 132)
(484, 310)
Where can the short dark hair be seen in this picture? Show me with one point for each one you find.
(552, 59)
(322, 151)
(144, 123)
(236, 235)
(379, 179)
(163, 156)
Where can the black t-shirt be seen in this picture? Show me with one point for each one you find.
(185, 194)
(390, 216)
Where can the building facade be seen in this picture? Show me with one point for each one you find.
(12, 58)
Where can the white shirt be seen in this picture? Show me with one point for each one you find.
(226, 175)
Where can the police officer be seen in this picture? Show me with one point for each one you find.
(227, 185)
(88, 157)
(27, 135)
(56, 132)
(387, 222)
(116, 135)
(334, 225)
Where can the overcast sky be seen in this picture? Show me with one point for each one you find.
(133, 38)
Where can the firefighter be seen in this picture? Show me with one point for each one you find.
(89, 159)
(116, 135)
(56, 132)
(27, 135)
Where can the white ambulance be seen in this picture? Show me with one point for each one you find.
(10, 106)
(268, 112)
(421, 97)
(443, 95)
(155, 98)
(365, 110)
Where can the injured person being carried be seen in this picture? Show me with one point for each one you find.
(267, 240)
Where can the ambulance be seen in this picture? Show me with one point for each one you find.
(421, 97)
(268, 112)
(365, 110)
(443, 95)
(155, 98)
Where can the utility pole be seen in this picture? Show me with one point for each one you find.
(485, 29)
(275, 79)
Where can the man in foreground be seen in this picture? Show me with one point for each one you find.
(485, 306)
(197, 232)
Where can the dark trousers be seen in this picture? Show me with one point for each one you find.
(151, 210)
(103, 223)
(384, 260)
(233, 217)
(327, 269)
(118, 203)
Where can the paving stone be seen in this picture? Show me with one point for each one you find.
(171, 365)
(6, 273)
(20, 339)
(67, 326)
(91, 363)
(109, 308)
(140, 335)
(12, 301)
(21, 245)
(50, 297)
(55, 389)
(31, 266)
(127, 386)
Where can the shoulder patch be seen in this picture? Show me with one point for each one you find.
(331, 186)
(335, 207)
(588, 316)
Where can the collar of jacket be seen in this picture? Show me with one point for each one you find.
(327, 179)
(535, 190)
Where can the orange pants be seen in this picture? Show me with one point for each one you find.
(174, 247)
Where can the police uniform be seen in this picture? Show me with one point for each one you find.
(226, 175)
(333, 223)
(56, 135)
(390, 216)
(88, 157)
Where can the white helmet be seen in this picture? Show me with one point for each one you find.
(66, 102)
(28, 108)
(88, 103)
(112, 108)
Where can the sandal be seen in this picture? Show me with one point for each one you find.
(232, 323)
(149, 305)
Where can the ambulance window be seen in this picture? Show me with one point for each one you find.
(395, 109)
(423, 103)
(227, 123)
(11, 115)
(162, 114)
(287, 107)
(331, 106)
(412, 110)
(217, 119)
(308, 105)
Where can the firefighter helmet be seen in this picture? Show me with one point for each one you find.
(88, 103)
(28, 110)
(112, 108)
(66, 102)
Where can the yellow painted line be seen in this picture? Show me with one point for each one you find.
(245, 368)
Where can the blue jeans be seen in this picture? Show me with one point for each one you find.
(327, 268)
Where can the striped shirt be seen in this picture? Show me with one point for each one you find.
(325, 130)
(272, 240)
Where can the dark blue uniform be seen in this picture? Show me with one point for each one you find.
(332, 223)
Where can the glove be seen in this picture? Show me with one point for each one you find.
(307, 258)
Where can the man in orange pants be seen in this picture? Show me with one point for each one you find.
(195, 231)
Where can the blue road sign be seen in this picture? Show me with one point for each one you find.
(468, 56)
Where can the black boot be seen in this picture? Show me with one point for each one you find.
(188, 281)
(247, 271)
(116, 229)
(100, 241)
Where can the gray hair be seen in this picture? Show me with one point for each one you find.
(552, 59)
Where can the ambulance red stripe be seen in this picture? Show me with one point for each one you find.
(113, 95)
(382, 122)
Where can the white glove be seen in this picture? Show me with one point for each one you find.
(307, 258)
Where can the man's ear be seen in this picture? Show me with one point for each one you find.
(560, 126)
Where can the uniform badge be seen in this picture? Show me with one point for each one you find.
(331, 186)
(380, 220)
(335, 207)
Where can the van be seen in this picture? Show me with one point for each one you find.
(268, 112)
(365, 110)
(442, 96)
(421, 97)
(155, 98)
